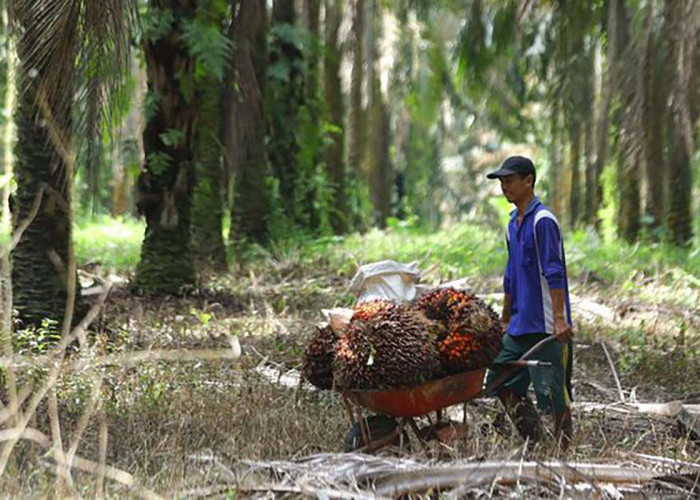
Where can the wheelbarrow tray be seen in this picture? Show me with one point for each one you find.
(421, 399)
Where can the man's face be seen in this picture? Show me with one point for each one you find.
(515, 187)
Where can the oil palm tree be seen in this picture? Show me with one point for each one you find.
(68, 51)
(166, 183)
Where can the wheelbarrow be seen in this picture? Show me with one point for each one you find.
(397, 408)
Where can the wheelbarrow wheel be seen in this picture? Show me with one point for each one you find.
(378, 426)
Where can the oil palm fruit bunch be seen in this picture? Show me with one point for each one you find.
(318, 357)
(393, 347)
(369, 309)
(473, 334)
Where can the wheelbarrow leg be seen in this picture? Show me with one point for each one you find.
(348, 410)
(363, 425)
(419, 435)
(377, 444)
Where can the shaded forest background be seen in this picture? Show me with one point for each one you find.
(265, 121)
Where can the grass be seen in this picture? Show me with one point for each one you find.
(464, 250)
(113, 243)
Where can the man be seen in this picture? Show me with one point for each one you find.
(536, 306)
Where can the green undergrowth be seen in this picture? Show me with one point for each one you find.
(466, 249)
(113, 243)
(472, 250)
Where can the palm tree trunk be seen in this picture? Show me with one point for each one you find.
(8, 97)
(313, 20)
(244, 121)
(628, 81)
(208, 196)
(165, 186)
(589, 140)
(356, 112)
(93, 158)
(602, 129)
(127, 149)
(682, 22)
(654, 116)
(555, 160)
(575, 158)
(41, 261)
(334, 101)
(285, 96)
(378, 162)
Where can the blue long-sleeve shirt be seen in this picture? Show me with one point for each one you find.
(536, 264)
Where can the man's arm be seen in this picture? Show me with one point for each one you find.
(505, 315)
(554, 271)
(562, 328)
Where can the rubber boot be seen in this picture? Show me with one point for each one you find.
(563, 429)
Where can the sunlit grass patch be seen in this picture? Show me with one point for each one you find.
(114, 243)
(465, 250)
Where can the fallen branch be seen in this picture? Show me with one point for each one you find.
(670, 409)
(443, 478)
(663, 460)
(306, 491)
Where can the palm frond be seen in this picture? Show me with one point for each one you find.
(74, 54)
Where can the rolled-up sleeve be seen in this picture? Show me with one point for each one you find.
(551, 253)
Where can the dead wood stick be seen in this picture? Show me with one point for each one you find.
(64, 481)
(283, 488)
(5, 271)
(380, 443)
(440, 478)
(614, 372)
(81, 463)
(124, 359)
(664, 460)
(84, 419)
(102, 466)
(13, 408)
(28, 433)
(24, 419)
(670, 409)
(58, 353)
(81, 328)
(22, 227)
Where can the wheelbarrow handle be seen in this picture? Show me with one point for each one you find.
(513, 366)
(524, 363)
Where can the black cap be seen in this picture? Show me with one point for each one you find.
(514, 165)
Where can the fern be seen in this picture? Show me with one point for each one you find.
(156, 23)
(159, 162)
(209, 46)
(172, 137)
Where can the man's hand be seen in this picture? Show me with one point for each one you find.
(504, 325)
(505, 315)
(562, 330)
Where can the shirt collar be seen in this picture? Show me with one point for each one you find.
(530, 208)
